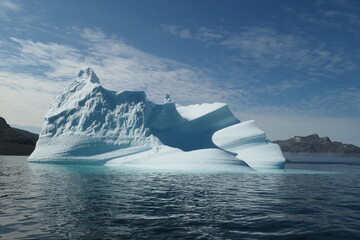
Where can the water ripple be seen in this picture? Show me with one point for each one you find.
(40, 201)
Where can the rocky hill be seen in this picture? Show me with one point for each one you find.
(315, 144)
(15, 141)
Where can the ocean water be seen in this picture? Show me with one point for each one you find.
(306, 201)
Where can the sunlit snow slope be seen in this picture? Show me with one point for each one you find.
(92, 125)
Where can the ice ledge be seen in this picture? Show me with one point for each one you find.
(195, 111)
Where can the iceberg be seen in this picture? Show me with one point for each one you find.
(88, 124)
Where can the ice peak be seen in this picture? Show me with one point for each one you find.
(87, 73)
(167, 98)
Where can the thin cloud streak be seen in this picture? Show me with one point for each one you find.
(24, 98)
(203, 34)
(271, 49)
(6, 7)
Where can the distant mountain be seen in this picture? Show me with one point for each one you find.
(15, 141)
(315, 144)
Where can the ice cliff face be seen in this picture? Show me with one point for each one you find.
(86, 120)
(86, 108)
(89, 124)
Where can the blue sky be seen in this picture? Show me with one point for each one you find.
(293, 66)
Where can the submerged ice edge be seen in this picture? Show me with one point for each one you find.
(140, 169)
(98, 126)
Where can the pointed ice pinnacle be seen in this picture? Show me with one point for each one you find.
(167, 98)
(86, 73)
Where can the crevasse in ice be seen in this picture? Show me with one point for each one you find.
(89, 124)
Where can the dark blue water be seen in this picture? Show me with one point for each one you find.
(44, 201)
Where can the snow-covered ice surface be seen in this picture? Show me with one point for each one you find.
(166, 157)
(89, 124)
(197, 110)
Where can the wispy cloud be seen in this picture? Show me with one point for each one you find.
(60, 61)
(32, 72)
(337, 15)
(345, 101)
(24, 97)
(351, 5)
(310, 18)
(203, 34)
(6, 7)
(46, 67)
(278, 88)
(351, 17)
(271, 48)
(262, 44)
(125, 67)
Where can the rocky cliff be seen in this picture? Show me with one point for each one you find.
(15, 141)
(315, 144)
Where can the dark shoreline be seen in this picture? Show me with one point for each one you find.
(328, 158)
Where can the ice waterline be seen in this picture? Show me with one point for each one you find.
(141, 169)
(89, 124)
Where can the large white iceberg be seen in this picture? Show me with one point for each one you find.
(89, 124)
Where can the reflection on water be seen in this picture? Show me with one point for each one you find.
(91, 202)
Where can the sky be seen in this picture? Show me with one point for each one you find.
(292, 66)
